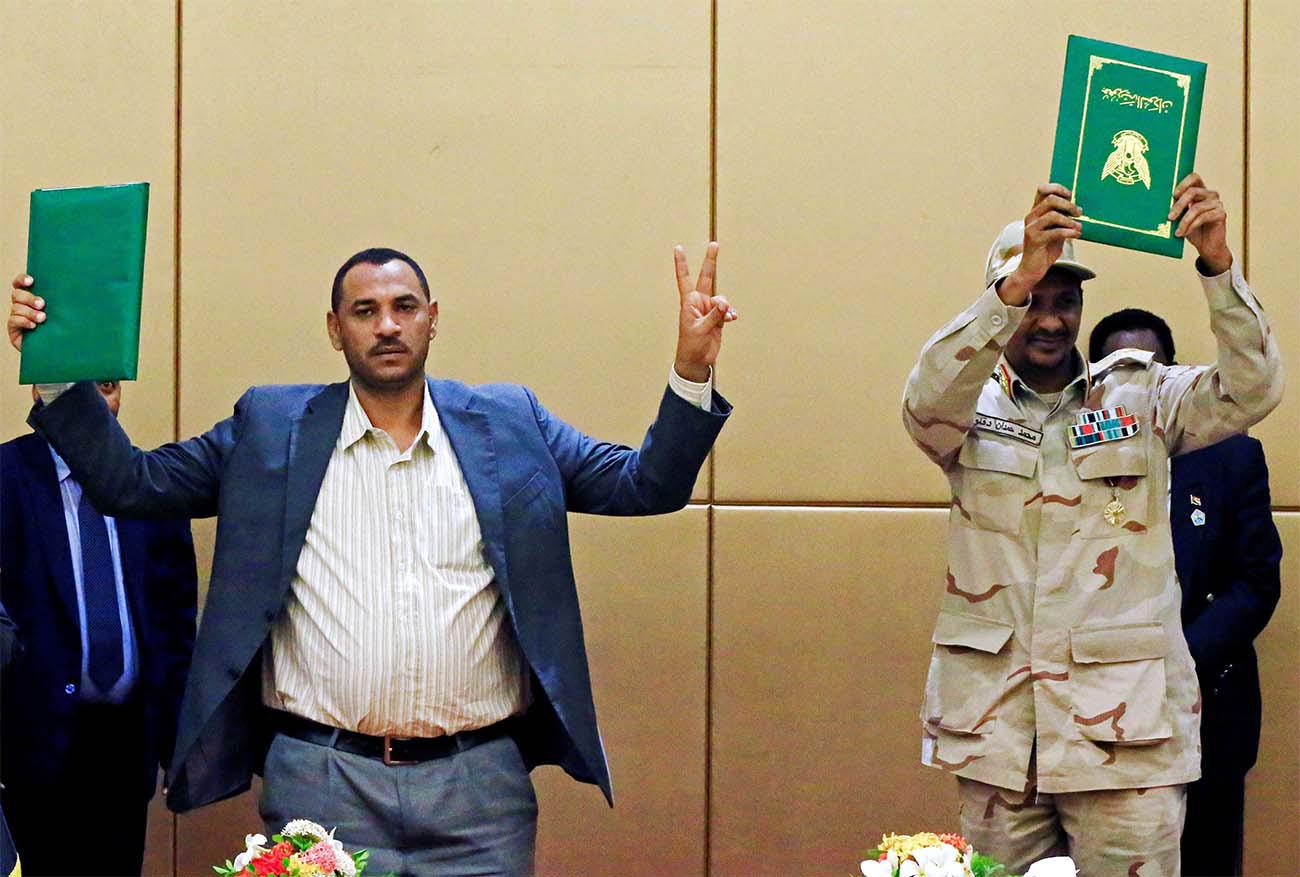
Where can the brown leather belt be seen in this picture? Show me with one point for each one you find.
(390, 749)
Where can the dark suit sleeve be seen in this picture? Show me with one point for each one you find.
(603, 478)
(1244, 602)
(176, 480)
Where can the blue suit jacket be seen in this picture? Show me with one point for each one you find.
(1229, 568)
(260, 472)
(40, 687)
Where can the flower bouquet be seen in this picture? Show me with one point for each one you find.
(301, 849)
(946, 855)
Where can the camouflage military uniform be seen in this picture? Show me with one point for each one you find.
(1059, 631)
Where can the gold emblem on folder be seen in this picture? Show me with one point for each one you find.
(1128, 163)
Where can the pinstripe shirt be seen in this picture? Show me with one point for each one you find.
(393, 623)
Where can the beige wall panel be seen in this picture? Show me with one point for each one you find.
(1275, 216)
(867, 155)
(89, 99)
(821, 639)
(540, 160)
(646, 629)
(1273, 787)
(210, 835)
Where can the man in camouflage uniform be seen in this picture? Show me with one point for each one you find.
(1061, 691)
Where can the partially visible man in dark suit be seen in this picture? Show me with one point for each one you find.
(1229, 556)
(9, 866)
(105, 611)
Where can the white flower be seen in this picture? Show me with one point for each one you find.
(304, 826)
(910, 869)
(253, 847)
(873, 868)
(1056, 866)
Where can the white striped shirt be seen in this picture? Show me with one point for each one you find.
(393, 624)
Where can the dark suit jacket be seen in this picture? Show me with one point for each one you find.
(39, 690)
(261, 470)
(1229, 568)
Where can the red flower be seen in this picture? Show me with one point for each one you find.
(956, 840)
(272, 861)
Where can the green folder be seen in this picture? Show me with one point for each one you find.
(85, 248)
(1125, 137)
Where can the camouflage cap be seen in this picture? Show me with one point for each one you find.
(1004, 255)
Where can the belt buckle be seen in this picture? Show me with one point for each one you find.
(388, 751)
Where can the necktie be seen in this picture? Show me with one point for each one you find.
(103, 622)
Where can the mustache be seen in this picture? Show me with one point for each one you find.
(389, 347)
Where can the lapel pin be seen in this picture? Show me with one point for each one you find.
(1196, 500)
(1198, 518)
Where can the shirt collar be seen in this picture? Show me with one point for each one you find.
(61, 469)
(1011, 383)
(357, 425)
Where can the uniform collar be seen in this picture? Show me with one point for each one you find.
(357, 425)
(1011, 383)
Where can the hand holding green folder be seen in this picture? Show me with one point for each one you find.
(1125, 137)
(85, 249)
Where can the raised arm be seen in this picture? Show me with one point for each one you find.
(611, 479)
(1197, 407)
(177, 480)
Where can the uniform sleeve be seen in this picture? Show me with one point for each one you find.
(944, 387)
(1197, 407)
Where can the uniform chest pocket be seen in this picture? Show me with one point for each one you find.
(1115, 498)
(996, 476)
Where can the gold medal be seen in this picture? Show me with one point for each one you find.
(1114, 511)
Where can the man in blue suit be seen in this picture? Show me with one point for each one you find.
(1228, 556)
(392, 603)
(104, 609)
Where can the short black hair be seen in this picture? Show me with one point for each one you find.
(374, 256)
(1129, 320)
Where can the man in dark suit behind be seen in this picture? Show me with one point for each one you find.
(105, 614)
(1228, 556)
(392, 603)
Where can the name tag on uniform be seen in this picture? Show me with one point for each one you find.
(1017, 431)
(1102, 425)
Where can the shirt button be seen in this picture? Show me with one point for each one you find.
(398, 516)
(997, 320)
(69, 689)
(1209, 598)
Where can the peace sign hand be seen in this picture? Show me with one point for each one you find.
(699, 326)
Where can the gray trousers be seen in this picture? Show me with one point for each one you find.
(472, 812)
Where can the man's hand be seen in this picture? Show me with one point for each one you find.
(1204, 224)
(25, 310)
(699, 327)
(1047, 227)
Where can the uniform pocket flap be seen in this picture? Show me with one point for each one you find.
(971, 631)
(1111, 461)
(1125, 642)
(998, 454)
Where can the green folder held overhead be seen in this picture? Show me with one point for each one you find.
(85, 248)
(1125, 138)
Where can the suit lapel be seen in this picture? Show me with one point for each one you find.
(470, 433)
(47, 511)
(312, 437)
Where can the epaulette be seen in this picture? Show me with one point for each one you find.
(1124, 356)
